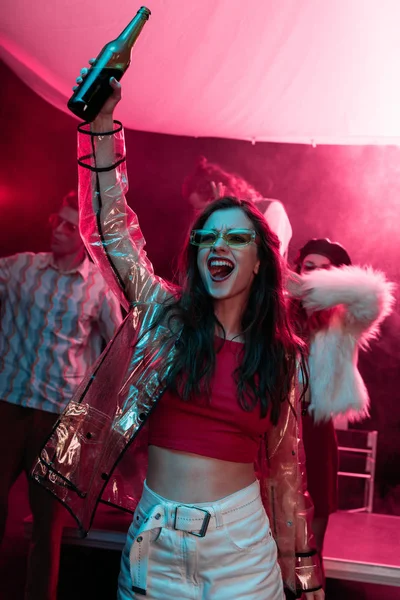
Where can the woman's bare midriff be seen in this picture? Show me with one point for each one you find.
(191, 478)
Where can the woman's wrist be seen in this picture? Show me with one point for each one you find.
(308, 571)
(102, 124)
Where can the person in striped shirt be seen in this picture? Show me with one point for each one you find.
(55, 315)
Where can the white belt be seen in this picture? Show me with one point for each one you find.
(180, 517)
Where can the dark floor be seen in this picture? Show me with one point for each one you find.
(89, 574)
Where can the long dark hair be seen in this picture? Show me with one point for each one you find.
(271, 350)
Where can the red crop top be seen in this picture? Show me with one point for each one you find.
(218, 428)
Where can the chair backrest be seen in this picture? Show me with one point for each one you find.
(357, 459)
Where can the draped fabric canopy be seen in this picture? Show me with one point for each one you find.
(307, 71)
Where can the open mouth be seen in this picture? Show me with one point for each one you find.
(220, 268)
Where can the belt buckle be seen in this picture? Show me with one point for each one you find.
(204, 525)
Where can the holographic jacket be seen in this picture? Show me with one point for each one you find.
(97, 450)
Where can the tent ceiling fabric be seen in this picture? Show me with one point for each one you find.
(295, 71)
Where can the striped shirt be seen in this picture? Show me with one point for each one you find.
(52, 325)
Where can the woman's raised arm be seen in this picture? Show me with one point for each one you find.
(109, 228)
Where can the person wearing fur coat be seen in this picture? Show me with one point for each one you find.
(338, 308)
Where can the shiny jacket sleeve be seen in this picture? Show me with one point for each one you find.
(109, 228)
(109, 317)
(290, 506)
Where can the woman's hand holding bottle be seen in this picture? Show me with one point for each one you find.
(104, 120)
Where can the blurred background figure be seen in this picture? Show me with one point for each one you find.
(56, 314)
(337, 309)
(209, 181)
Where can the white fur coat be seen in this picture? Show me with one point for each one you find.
(363, 298)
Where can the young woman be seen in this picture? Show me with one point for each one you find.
(203, 374)
(337, 308)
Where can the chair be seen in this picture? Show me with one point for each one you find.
(357, 460)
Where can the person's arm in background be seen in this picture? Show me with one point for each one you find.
(13, 267)
(9, 265)
(4, 275)
(278, 220)
(364, 293)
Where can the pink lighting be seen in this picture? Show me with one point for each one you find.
(299, 97)
(309, 72)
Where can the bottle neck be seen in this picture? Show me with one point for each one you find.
(132, 31)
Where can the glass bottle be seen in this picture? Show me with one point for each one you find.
(91, 94)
